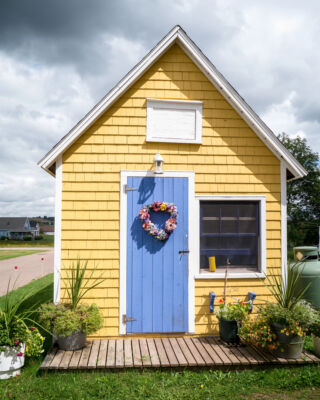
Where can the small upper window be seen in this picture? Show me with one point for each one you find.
(177, 121)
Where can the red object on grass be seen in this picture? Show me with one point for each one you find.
(15, 267)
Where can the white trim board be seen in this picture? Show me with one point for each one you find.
(284, 244)
(177, 35)
(123, 242)
(238, 275)
(57, 231)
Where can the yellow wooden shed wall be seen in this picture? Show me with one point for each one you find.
(230, 160)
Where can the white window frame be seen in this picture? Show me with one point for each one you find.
(178, 105)
(231, 274)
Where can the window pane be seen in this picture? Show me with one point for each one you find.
(229, 218)
(210, 217)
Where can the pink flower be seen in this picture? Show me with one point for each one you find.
(146, 226)
(171, 224)
(20, 354)
(143, 214)
(156, 206)
(17, 342)
(42, 259)
(16, 267)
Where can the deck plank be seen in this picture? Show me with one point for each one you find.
(48, 358)
(258, 356)
(204, 354)
(178, 353)
(83, 362)
(248, 355)
(200, 361)
(119, 354)
(111, 355)
(225, 359)
(136, 353)
(170, 353)
(313, 357)
(74, 362)
(128, 360)
(236, 351)
(145, 356)
(102, 355)
(186, 352)
(153, 353)
(214, 356)
(57, 359)
(64, 364)
(227, 351)
(161, 353)
(92, 363)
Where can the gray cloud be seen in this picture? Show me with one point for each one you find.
(58, 58)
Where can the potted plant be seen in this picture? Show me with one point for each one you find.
(279, 329)
(281, 326)
(72, 321)
(17, 338)
(230, 316)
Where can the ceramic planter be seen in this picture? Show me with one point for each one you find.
(10, 362)
(229, 331)
(316, 342)
(290, 346)
(75, 341)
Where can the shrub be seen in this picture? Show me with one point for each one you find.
(233, 311)
(63, 320)
(3, 238)
(39, 237)
(27, 238)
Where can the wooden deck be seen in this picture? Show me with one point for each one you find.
(164, 352)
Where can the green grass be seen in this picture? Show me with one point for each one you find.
(46, 241)
(280, 383)
(6, 254)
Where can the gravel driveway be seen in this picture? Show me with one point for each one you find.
(28, 268)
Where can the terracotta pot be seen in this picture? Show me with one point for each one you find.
(10, 362)
(228, 330)
(75, 341)
(290, 346)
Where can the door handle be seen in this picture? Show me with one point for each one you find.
(184, 251)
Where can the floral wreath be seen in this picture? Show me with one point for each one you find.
(153, 229)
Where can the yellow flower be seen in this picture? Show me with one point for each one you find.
(201, 386)
(163, 207)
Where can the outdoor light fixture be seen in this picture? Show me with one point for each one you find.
(158, 161)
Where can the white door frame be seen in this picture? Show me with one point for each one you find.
(123, 241)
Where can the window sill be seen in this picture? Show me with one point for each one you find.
(241, 273)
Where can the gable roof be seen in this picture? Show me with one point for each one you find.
(13, 224)
(177, 35)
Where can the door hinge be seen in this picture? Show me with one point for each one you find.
(127, 188)
(126, 319)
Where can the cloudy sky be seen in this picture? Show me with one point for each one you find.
(58, 58)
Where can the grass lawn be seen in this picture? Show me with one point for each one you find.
(46, 241)
(6, 254)
(282, 383)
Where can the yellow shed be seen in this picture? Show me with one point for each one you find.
(170, 172)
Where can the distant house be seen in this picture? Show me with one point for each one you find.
(16, 228)
(35, 227)
(47, 229)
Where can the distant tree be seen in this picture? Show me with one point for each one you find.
(303, 194)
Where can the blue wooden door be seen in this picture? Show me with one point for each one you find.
(157, 275)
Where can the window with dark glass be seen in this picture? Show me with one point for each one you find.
(229, 231)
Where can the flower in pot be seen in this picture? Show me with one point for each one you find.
(72, 321)
(281, 326)
(279, 329)
(17, 338)
(230, 316)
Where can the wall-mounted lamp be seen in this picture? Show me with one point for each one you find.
(158, 161)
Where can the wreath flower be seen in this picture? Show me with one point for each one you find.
(153, 229)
